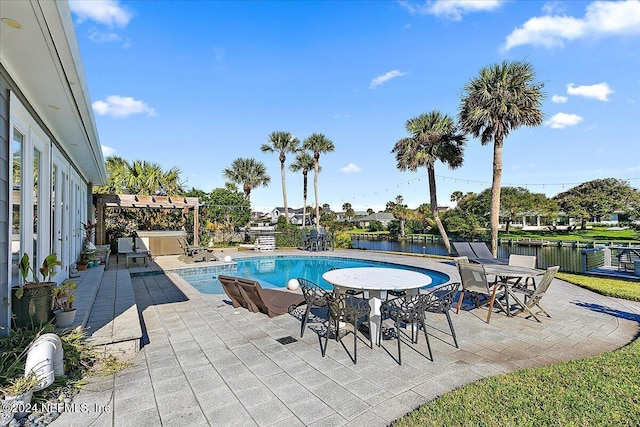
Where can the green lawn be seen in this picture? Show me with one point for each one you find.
(597, 234)
(596, 391)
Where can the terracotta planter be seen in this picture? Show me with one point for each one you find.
(81, 267)
(34, 308)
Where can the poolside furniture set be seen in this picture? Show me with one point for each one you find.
(316, 240)
(510, 287)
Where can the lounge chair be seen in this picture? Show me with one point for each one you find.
(464, 250)
(268, 301)
(626, 259)
(125, 246)
(193, 253)
(533, 297)
(230, 287)
(484, 255)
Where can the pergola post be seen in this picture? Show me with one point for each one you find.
(196, 226)
(100, 228)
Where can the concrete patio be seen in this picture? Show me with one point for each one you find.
(204, 363)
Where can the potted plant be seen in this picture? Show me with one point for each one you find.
(18, 394)
(83, 262)
(31, 300)
(63, 297)
(89, 229)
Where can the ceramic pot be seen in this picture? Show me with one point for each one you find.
(64, 319)
(34, 308)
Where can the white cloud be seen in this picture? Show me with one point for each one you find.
(562, 120)
(554, 7)
(602, 18)
(385, 78)
(600, 91)
(350, 168)
(451, 9)
(559, 99)
(108, 151)
(107, 12)
(121, 106)
(100, 37)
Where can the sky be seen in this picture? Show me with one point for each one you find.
(197, 84)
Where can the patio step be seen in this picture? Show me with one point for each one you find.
(112, 323)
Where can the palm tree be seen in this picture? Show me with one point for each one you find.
(348, 210)
(401, 212)
(501, 98)
(434, 136)
(140, 177)
(456, 196)
(282, 143)
(304, 163)
(317, 143)
(249, 173)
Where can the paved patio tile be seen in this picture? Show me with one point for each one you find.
(145, 417)
(269, 412)
(206, 363)
(310, 409)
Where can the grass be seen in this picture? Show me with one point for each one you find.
(625, 289)
(79, 360)
(595, 391)
(596, 234)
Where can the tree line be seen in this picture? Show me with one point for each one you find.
(501, 98)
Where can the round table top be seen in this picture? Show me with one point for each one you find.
(376, 278)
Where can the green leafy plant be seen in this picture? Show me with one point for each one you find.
(48, 266)
(47, 271)
(21, 385)
(64, 296)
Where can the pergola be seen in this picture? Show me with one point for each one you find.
(104, 201)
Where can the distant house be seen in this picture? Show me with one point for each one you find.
(51, 154)
(295, 215)
(383, 217)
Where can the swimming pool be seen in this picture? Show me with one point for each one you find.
(275, 272)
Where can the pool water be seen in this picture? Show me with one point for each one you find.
(275, 272)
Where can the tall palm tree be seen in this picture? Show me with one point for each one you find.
(317, 143)
(501, 98)
(304, 163)
(400, 211)
(434, 136)
(249, 173)
(282, 143)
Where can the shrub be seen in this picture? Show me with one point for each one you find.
(342, 240)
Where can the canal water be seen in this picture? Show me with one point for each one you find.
(568, 258)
